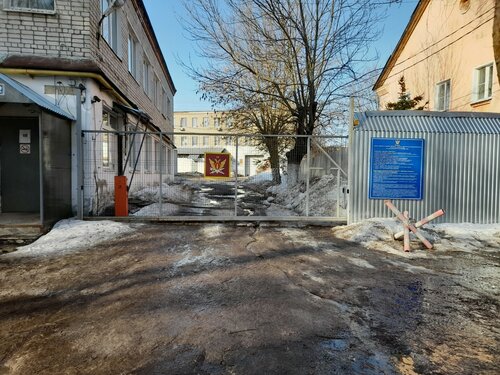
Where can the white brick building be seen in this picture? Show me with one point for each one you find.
(104, 51)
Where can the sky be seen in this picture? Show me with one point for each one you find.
(166, 16)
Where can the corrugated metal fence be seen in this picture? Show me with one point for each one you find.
(461, 164)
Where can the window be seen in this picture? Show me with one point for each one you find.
(146, 71)
(135, 156)
(205, 122)
(443, 96)
(38, 6)
(183, 122)
(194, 122)
(194, 141)
(157, 156)
(110, 25)
(216, 141)
(132, 56)
(106, 154)
(148, 153)
(184, 141)
(165, 160)
(217, 123)
(109, 123)
(483, 87)
(164, 104)
(205, 140)
(155, 92)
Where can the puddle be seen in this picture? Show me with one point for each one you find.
(336, 345)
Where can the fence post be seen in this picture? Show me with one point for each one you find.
(160, 167)
(339, 184)
(236, 180)
(308, 173)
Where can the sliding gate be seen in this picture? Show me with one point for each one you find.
(216, 176)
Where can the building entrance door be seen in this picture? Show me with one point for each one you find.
(19, 165)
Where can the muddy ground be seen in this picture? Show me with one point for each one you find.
(214, 299)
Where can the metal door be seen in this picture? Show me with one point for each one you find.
(20, 167)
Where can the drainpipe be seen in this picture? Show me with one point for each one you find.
(79, 156)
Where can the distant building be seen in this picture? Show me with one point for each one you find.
(51, 53)
(446, 54)
(198, 131)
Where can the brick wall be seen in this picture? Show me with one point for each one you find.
(71, 33)
(63, 34)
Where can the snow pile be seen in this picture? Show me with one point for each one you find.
(175, 193)
(378, 234)
(71, 234)
(153, 210)
(323, 196)
(259, 178)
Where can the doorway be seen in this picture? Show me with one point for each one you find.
(19, 165)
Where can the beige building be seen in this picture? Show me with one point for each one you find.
(196, 132)
(446, 54)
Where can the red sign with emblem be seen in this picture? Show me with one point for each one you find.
(217, 164)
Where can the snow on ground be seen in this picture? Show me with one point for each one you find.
(153, 210)
(71, 234)
(378, 234)
(175, 193)
(323, 196)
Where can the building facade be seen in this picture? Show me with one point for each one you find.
(98, 62)
(446, 54)
(196, 132)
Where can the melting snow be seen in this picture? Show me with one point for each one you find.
(71, 234)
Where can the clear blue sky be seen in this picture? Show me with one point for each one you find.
(165, 14)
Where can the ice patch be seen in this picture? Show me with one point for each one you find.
(153, 210)
(360, 263)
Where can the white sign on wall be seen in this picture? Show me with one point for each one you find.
(24, 149)
(24, 136)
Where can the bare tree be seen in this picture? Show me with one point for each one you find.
(302, 52)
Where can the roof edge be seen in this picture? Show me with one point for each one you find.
(432, 114)
(414, 19)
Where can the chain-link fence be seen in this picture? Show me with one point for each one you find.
(215, 175)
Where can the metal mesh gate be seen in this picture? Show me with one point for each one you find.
(216, 175)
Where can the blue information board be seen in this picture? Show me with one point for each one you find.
(396, 168)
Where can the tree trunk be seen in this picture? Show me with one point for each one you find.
(496, 37)
(272, 144)
(294, 157)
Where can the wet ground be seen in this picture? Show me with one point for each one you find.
(215, 299)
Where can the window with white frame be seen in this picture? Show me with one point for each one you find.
(205, 122)
(442, 101)
(194, 122)
(132, 56)
(483, 83)
(164, 104)
(217, 123)
(148, 153)
(183, 122)
(158, 156)
(109, 25)
(205, 140)
(36, 6)
(194, 141)
(184, 141)
(155, 91)
(109, 122)
(217, 141)
(146, 70)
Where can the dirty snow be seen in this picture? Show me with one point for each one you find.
(71, 234)
(378, 234)
(175, 193)
(153, 210)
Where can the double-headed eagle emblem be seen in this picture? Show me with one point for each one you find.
(217, 165)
